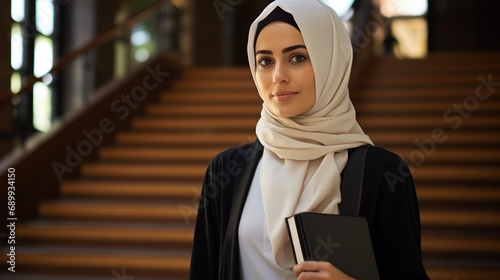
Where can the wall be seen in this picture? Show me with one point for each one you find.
(466, 25)
(5, 73)
(220, 30)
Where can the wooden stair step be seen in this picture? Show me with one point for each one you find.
(459, 218)
(432, 244)
(451, 94)
(391, 139)
(83, 209)
(132, 189)
(407, 107)
(461, 273)
(426, 122)
(464, 56)
(217, 73)
(462, 173)
(104, 259)
(151, 171)
(208, 96)
(438, 193)
(157, 154)
(395, 69)
(430, 67)
(196, 124)
(193, 138)
(200, 110)
(56, 231)
(449, 155)
(457, 58)
(225, 84)
(422, 81)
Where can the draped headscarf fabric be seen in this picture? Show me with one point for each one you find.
(304, 155)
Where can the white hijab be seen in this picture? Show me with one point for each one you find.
(304, 155)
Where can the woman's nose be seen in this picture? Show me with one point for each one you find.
(280, 74)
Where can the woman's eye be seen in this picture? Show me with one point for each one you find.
(264, 62)
(298, 58)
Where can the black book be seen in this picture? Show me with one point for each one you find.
(344, 241)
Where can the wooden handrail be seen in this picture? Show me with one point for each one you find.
(100, 40)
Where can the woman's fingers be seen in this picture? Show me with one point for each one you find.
(312, 270)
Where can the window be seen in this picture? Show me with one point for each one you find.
(406, 36)
(38, 36)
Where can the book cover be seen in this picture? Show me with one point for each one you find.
(344, 241)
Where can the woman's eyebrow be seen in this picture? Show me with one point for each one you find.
(291, 48)
(263, 52)
(285, 50)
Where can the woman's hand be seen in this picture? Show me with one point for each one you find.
(311, 270)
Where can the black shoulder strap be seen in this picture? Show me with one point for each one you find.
(352, 182)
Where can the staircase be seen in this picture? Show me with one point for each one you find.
(429, 112)
(131, 213)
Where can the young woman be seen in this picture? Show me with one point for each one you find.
(300, 57)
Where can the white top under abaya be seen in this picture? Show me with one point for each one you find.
(256, 255)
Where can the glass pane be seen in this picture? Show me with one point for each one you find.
(142, 45)
(340, 6)
(140, 36)
(17, 10)
(45, 17)
(43, 56)
(42, 107)
(15, 82)
(141, 54)
(16, 47)
(411, 35)
(392, 8)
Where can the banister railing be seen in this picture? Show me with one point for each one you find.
(113, 33)
(100, 40)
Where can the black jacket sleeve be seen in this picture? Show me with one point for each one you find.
(215, 253)
(389, 202)
(204, 256)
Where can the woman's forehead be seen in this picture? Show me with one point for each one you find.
(278, 34)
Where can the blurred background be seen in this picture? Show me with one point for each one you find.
(111, 110)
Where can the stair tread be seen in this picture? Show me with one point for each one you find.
(450, 194)
(439, 173)
(211, 96)
(103, 258)
(247, 123)
(198, 110)
(459, 218)
(461, 273)
(411, 107)
(451, 94)
(117, 188)
(109, 232)
(227, 139)
(115, 209)
(147, 170)
(449, 155)
(461, 244)
(157, 153)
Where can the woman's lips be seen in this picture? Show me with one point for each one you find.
(284, 95)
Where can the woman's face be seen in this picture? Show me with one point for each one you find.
(284, 73)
